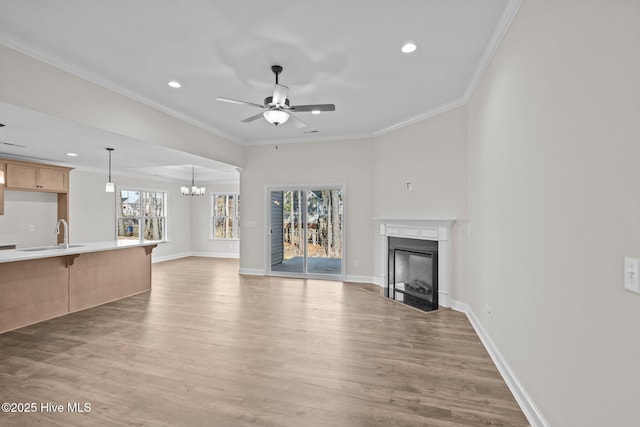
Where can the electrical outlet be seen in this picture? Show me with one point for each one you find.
(356, 263)
(32, 228)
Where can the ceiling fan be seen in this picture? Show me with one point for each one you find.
(277, 107)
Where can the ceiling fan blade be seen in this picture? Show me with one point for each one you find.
(296, 121)
(235, 101)
(318, 107)
(280, 93)
(252, 118)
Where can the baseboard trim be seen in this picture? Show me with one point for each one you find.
(216, 255)
(460, 306)
(379, 281)
(200, 254)
(359, 279)
(252, 271)
(354, 279)
(530, 410)
(155, 259)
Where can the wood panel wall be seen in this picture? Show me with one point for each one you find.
(127, 271)
(32, 291)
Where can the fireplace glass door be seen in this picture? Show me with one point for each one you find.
(413, 276)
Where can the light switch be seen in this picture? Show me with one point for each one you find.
(631, 267)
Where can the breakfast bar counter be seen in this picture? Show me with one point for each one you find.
(37, 284)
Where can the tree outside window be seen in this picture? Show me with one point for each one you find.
(226, 216)
(141, 215)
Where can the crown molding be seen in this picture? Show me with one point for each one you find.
(509, 13)
(56, 62)
(296, 140)
(443, 108)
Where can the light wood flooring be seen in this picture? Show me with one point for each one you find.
(208, 347)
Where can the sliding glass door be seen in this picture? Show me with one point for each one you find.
(306, 232)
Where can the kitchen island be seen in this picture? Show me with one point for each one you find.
(41, 283)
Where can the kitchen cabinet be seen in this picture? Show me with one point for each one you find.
(26, 176)
(22, 176)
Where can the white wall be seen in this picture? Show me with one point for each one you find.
(29, 219)
(325, 163)
(432, 154)
(92, 211)
(201, 244)
(554, 169)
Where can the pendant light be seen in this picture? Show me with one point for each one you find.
(1, 170)
(193, 191)
(110, 187)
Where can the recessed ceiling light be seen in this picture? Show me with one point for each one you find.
(408, 48)
(72, 155)
(175, 84)
(315, 111)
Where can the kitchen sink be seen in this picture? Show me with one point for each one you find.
(47, 248)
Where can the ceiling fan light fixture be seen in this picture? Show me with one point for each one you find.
(277, 107)
(276, 117)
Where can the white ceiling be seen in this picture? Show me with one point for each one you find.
(333, 51)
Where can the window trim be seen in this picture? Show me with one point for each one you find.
(212, 216)
(141, 218)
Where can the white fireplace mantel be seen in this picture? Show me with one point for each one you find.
(423, 229)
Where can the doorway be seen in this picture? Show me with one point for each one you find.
(306, 232)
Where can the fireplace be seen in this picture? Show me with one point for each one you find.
(413, 272)
(418, 235)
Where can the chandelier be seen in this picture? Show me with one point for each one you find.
(193, 191)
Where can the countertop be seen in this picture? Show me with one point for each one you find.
(25, 254)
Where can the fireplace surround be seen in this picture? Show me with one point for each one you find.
(436, 231)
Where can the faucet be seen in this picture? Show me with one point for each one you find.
(65, 244)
